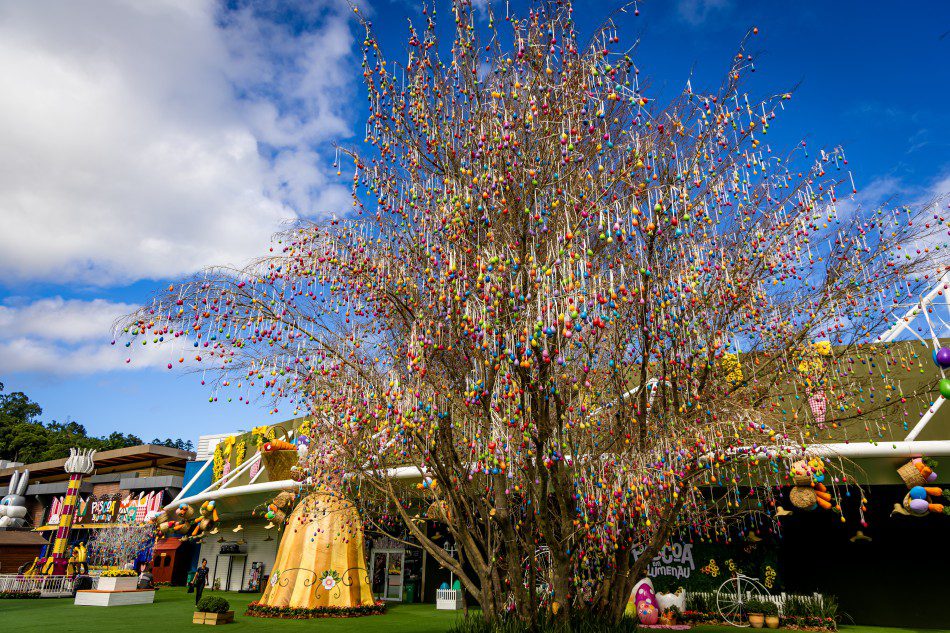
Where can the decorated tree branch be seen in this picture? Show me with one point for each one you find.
(582, 320)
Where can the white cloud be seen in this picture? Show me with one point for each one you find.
(148, 140)
(58, 319)
(69, 336)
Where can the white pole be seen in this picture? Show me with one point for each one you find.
(237, 471)
(904, 322)
(187, 487)
(267, 486)
(914, 432)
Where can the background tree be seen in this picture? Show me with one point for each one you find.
(25, 438)
(587, 321)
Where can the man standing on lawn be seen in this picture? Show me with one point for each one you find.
(200, 579)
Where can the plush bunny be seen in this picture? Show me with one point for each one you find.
(13, 506)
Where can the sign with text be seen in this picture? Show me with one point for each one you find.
(674, 560)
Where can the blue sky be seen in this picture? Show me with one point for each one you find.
(144, 142)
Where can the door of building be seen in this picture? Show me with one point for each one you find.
(388, 573)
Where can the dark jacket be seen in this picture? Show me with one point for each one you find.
(201, 577)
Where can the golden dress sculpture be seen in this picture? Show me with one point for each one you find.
(320, 561)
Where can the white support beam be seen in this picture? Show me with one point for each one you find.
(850, 450)
(208, 495)
(922, 424)
(181, 493)
(228, 479)
(904, 322)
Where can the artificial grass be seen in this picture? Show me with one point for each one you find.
(173, 608)
(710, 628)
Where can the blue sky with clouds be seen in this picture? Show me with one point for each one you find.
(144, 141)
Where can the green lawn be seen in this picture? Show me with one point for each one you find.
(173, 609)
(708, 628)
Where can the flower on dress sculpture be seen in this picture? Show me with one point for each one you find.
(329, 579)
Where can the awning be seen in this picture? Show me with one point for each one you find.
(18, 537)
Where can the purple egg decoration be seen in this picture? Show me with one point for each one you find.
(919, 506)
(643, 593)
(942, 357)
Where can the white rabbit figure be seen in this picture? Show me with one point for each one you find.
(13, 506)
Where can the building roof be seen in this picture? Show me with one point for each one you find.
(206, 444)
(114, 459)
(18, 537)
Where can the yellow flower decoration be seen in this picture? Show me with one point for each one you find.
(811, 362)
(711, 568)
(822, 348)
(730, 363)
(217, 465)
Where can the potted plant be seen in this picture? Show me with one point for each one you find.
(671, 616)
(213, 610)
(770, 611)
(118, 580)
(755, 610)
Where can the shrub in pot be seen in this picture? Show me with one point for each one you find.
(213, 604)
(755, 610)
(213, 610)
(770, 611)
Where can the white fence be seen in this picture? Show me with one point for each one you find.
(448, 599)
(778, 600)
(47, 586)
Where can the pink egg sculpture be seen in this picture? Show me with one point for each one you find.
(647, 613)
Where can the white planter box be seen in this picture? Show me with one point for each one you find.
(120, 583)
(448, 599)
(114, 598)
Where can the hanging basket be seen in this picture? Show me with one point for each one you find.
(802, 480)
(803, 498)
(279, 463)
(911, 475)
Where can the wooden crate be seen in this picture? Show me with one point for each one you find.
(213, 619)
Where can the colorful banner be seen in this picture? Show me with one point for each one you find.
(122, 508)
(133, 510)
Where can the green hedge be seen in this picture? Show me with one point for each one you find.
(213, 604)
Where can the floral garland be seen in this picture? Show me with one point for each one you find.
(217, 466)
(258, 610)
(239, 453)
